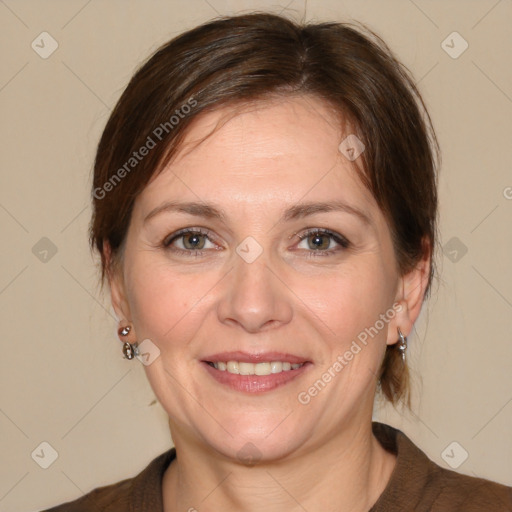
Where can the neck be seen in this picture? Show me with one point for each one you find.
(346, 474)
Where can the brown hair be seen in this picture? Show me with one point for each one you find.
(239, 59)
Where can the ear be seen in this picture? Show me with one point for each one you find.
(116, 282)
(409, 299)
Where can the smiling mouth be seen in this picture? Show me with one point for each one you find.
(262, 368)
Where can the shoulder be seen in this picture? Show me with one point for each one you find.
(142, 492)
(472, 494)
(417, 483)
(110, 498)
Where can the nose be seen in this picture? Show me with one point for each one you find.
(254, 297)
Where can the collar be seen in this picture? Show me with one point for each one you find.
(413, 470)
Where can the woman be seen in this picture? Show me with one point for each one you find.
(265, 210)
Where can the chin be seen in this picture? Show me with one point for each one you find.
(252, 443)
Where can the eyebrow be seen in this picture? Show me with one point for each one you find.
(298, 211)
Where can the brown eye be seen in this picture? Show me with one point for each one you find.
(193, 241)
(322, 242)
(318, 241)
(188, 241)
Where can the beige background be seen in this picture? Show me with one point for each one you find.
(63, 380)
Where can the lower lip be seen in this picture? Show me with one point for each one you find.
(255, 383)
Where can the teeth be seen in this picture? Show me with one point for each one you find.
(276, 367)
(265, 368)
(232, 367)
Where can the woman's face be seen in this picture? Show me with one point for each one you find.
(262, 284)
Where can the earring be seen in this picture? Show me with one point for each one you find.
(402, 343)
(124, 331)
(129, 349)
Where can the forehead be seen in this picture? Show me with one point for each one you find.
(282, 149)
(262, 130)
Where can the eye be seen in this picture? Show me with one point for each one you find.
(189, 241)
(322, 241)
(195, 241)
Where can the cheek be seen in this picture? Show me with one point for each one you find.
(349, 299)
(346, 308)
(168, 307)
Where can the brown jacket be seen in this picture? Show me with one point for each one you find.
(416, 485)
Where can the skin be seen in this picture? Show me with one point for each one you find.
(257, 163)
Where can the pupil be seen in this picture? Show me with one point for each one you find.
(192, 241)
(317, 241)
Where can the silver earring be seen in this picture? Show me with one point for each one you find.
(402, 343)
(124, 331)
(129, 349)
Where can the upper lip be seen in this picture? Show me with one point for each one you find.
(256, 357)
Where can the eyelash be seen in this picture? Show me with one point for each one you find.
(339, 239)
